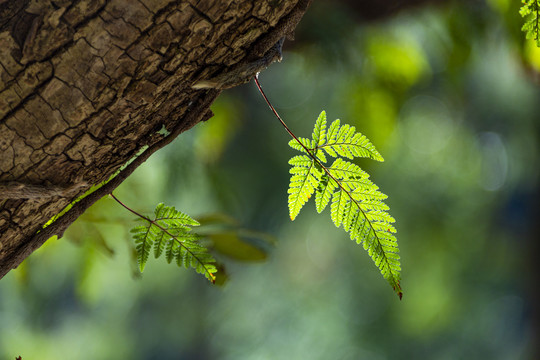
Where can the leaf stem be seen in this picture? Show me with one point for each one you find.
(256, 77)
(129, 209)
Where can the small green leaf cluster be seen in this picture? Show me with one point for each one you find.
(530, 11)
(356, 203)
(170, 233)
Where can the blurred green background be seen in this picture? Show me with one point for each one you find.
(449, 95)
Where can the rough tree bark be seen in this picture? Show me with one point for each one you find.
(85, 85)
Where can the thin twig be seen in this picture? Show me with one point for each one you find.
(276, 113)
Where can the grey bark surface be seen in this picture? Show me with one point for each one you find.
(86, 85)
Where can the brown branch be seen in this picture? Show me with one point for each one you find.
(199, 112)
(283, 28)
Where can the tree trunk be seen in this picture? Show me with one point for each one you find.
(87, 85)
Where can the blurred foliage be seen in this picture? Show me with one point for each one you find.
(448, 94)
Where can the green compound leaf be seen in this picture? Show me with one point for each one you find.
(319, 132)
(304, 180)
(530, 10)
(346, 142)
(356, 203)
(324, 192)
(170, 233)
(298, 146)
